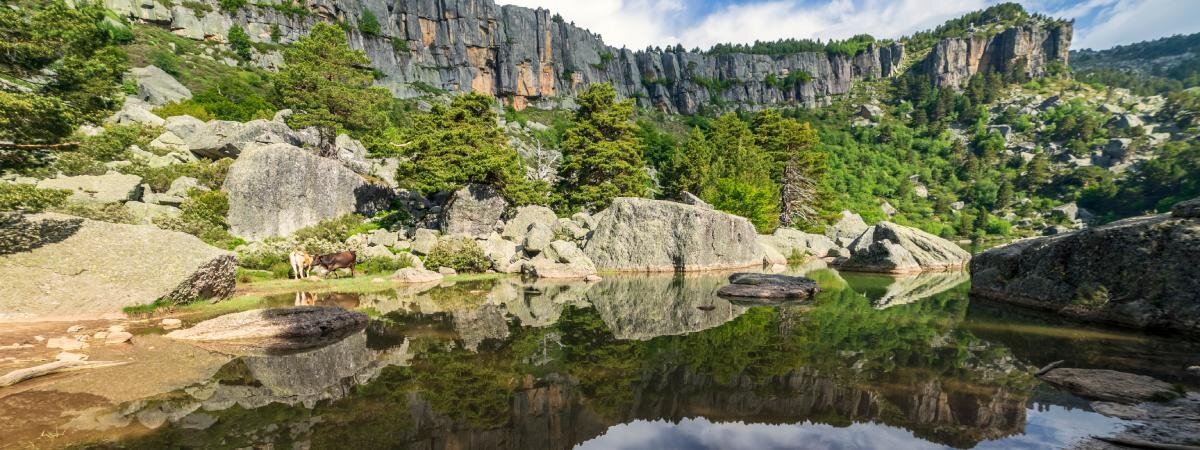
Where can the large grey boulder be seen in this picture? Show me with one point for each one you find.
(890, 248)
(1138, 272)
(789, 241)
(135, 112)
(62, 265)
(298, 327)
(424, 241)
(473, 211)
(637, 234)
(227, 139)
(353, 154)
(277, 189)
(769, 286)
(156, 87)
(108, 188)
(499, 251)
(848, 228)
(516, 228)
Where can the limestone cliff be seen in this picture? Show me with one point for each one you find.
(526, 55)
(1030, 48)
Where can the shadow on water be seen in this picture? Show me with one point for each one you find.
(642, 362)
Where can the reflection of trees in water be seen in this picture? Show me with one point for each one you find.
(836, 360)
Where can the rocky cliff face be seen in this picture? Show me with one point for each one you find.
(1137, 272)
(1027, 48)
(526, 55)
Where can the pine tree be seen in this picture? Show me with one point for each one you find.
(68, 69)
(462, 144)
(691, 170)
(329, 86)
(602, 153)
(799, 166)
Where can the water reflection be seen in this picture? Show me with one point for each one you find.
(633, 362)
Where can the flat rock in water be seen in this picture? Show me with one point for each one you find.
(1110, 385)
(761, 285)
(283, 328)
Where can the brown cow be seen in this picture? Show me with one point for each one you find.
(334, 261)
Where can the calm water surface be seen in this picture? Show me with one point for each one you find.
(632, 362)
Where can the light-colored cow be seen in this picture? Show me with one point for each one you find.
(301, 263)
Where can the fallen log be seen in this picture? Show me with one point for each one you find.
(20, 375)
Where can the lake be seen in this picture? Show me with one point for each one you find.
(631, 362)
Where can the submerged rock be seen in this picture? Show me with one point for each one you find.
(298, 327)
(1110, 385)
(637, 234)
(761, 285)
(890, 248)
(1138, 272)
(63, 265)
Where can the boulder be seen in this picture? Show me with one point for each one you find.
(499, 251)
(424, 241)
(572, 229)
(637, 234)
(180, 187)
(1069, 212)
(761, 285)
(1109, 385)
(688, 198)
(283, 328)
(352, 154)
(790, 241)
(183, 126)
(848, 228)
(771, 255)
(526, 216)
(447, 271)
(568, 253)
(146, 212)
(1189, 209)
(135, 112)
(170, 142)
(1138, 272)
(108, 188)
(1129, 121)
(537, 239)
(473, 211)
(227, 139)
(890, 248)
(156, 87)
(63, 265)
(277, 189)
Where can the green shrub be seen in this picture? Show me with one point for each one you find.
(30, 198)
(210, 175)
(92, 152)
(240, 41)
(459, 253)
(166, 61)
(261, 260)
(282, 269)
(383, 264)
(104, 212)
(254, 275)
(75, 163)
(232, 5)
(203, 215)
(184, 108)
(369, 24)
(275, 33)
(330, 230)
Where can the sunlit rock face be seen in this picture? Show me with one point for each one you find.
(528, 56)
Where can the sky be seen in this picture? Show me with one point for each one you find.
(1099, 24)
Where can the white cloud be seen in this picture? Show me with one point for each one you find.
(639, 23)
(837, 19)
(1125, 21)
(632, 23)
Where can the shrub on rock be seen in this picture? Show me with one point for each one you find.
(462, 254)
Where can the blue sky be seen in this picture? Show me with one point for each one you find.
(701, 23)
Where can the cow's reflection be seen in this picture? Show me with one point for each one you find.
(344, 300)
